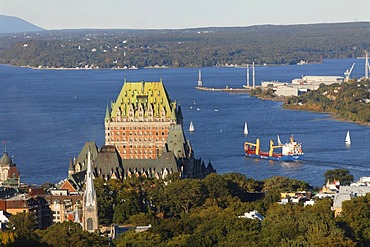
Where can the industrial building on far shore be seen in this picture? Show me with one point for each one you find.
(300, 86)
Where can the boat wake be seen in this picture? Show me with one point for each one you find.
(335, 165)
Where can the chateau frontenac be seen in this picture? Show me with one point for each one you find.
(139, 122)
(143, 137)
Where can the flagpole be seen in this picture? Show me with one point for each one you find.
(4, 142)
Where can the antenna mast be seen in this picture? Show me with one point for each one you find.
(247, 75)
(366, 66)
(253, 77)
(200, 79)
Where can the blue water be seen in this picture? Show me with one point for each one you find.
(46, 116)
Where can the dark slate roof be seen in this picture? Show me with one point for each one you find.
(77, 180)
(108, 162)
(151, 166)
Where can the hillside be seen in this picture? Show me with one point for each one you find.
(347, 101)
(200, 47)
(11, 24)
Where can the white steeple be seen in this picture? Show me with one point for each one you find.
(89, 195)
(90, 221)
(77, 216)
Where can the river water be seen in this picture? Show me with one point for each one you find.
(46, 116)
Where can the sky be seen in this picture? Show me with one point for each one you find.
(175, 14)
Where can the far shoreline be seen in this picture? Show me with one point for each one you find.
(333, 116)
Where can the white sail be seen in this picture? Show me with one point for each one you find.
(191, 127)
(245, 128)
(348, 138)
(278, 140)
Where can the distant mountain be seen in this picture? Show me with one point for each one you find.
(11, 24)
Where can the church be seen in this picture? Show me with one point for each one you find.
(144, 136)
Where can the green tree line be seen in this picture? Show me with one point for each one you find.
(205, 212)
(348, 101)
(287, 44)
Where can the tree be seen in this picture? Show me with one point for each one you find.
(23, 225)
(127, 206)
(355, 219)
(342, 175)
(70, 234)
(137, 239)
(183, 194)
(7, 237)
(106, 199)
(285, 184)
(216, 186)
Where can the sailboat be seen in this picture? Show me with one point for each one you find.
(348, 139)
(191, 127)
(245, 128)
(278, 140)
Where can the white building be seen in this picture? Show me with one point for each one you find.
(347, 193)
(254, 215)
(3, 220)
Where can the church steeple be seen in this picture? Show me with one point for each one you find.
(90, 194)
(90, 209)
(71, 169)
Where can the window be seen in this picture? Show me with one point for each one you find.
(90, 224)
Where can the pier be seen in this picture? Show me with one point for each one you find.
(244, 89)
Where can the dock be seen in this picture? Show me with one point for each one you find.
(227, 89)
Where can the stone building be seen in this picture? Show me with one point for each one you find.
(64, 204)
(143, 137)
(138, 123)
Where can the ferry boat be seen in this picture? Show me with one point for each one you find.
(290, 151)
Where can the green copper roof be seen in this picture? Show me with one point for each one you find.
(177, 143)
(145, 96)
(5, 159)
(82, 157)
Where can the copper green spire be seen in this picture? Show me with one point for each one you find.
(173, 113)
(70, 168)
(107, 115)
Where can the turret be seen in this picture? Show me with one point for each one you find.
(107, 115)
(180, 119)
(71, 169)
